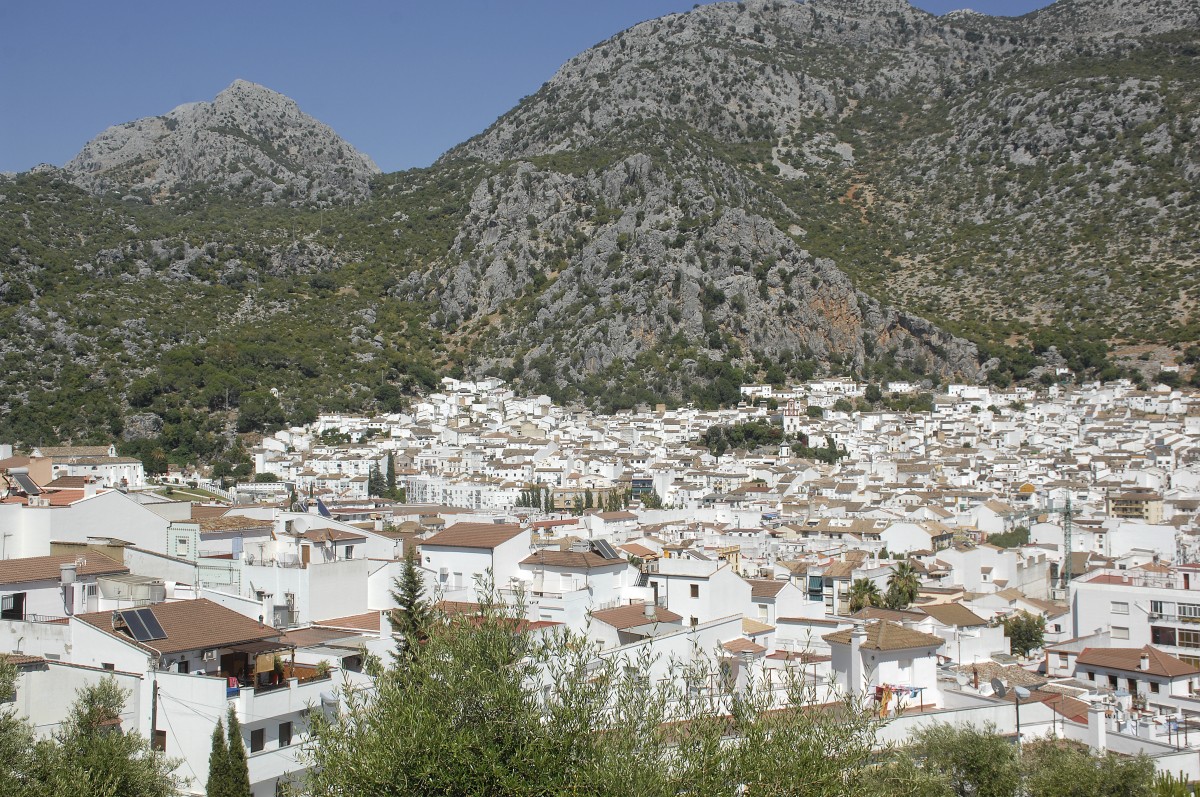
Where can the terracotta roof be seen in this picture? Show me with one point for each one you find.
(201, 511)
(67, 482)
(573, 559)
(46, 568)
(20, 660)
(74, 451)
(55, 497)
(743, 645)
(1014, 675)
(752, 627)
(191, 625)
(765, 587)
(954, 614)
(636, 550)
(633, 615)
(455, 608)
(474, 535)
(616, 516)
(886, 635)
(1129, 659)
(331, 535)
(841, 569)
(880, 613)
(367, 621)
(232, 523)
(306, 637)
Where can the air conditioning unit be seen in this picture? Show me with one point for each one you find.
(1154, 616)
(209, 655)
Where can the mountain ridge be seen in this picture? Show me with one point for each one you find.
(753, 192)
(249, 140)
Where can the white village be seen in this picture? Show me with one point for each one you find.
(890, 554)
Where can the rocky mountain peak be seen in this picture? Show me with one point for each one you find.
(249, 141)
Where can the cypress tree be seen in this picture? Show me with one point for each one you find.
(218, 764)
(239, 771)
(390, 476)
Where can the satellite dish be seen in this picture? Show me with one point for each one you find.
(963, 679)
(998, 688)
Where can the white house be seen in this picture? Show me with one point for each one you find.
(894, 664)
(466, 551)
(191, 661)
(698, 589)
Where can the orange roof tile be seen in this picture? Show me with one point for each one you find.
(1129, 660)
(190, 625)
(474, 535)
(47, 568)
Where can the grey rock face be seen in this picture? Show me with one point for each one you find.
(249, 141)
(143, 426)
(648, 259)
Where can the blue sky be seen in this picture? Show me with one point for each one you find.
(402, 80)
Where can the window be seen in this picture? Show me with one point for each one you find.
(159, 742)
(1154, 687)
(1189, 612)
(1162, 635)
(181, 546)
(285, 734)
(695, 590)
(1120, 632)
(184, 666)
(1120, 607)
(1063, 660)
(12, 607)
(1112, 681)
(349, 551)
(1188, 639)
(695, 622)
(108, 665)
(257, 739)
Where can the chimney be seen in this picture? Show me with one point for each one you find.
(855, 683)
(1144, 662)
(90, 487)
(1097, 730)
(66, 577)
(648, 610)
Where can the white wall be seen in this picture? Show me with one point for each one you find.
(46, 693)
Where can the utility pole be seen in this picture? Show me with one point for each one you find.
(154, 713)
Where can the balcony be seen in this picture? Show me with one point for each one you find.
(289, 696)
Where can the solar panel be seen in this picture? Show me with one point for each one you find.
(322, 509)
(137, 629)
(27, 484)
(153, 627)
(142, 625)
(604, 549)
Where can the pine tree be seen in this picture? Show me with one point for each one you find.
(239, 771)
(218, 784)
(412, 616)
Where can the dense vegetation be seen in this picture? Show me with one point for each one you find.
(87, 756)
(479, 707)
